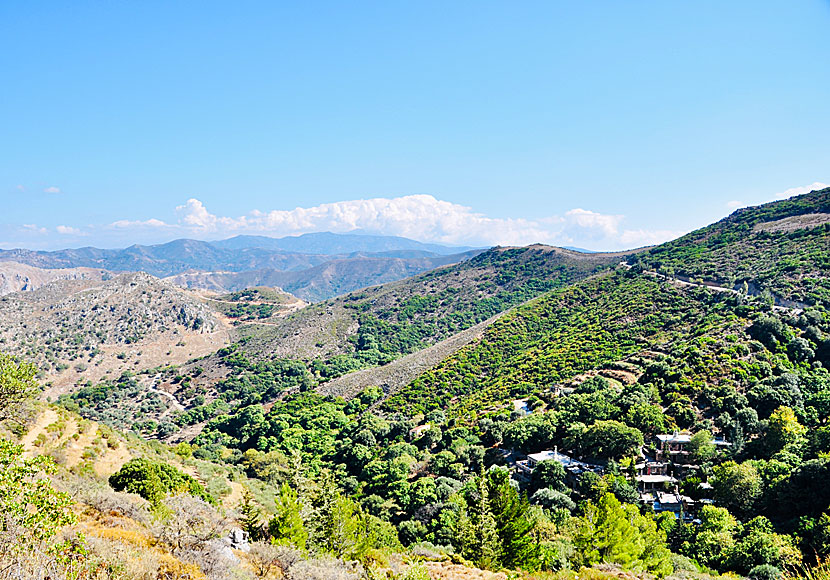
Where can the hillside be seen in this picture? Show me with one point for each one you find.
(530, 408)
(362, 330)
(403, 317)
(782, 247)
(253, 305)
(322, 281)
(586, 375)
(78, 331)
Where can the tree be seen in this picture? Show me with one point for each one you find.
(514, 524)
(611, 440)
(152, 481)
(759, 545)
(784, 429)
(475, 530)
(610, 532)
(700, 447)
(549, 474)
(32, 514)
(189, 523)
(553, 500)
(251, 516)
(737, 486)
(27, 499)
(17, 384)
(287, 526)
(714, 536)
(647, 418)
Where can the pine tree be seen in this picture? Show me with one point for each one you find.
(287, 526)
(251, 522)
(513, 522)
(488, 542)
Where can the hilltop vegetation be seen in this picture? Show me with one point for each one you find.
(782, 247)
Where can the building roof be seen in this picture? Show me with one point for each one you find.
(655, 478)
(666, 497)
(675, 438)
(552, 456)
(521, 405)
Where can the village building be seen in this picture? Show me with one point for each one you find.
(673, 447)
(573, 467)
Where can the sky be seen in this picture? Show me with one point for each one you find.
(602, 125)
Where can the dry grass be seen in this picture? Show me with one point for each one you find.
(450, 571)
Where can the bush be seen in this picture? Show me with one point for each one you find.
(153, 481)
(764, 572)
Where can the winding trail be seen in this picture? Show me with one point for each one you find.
(683, 281)
(154, 389)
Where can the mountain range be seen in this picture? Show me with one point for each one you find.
(312, 266)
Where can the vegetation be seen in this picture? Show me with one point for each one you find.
(789, 261)
(154, 481)
(591, 370)
(17, 383)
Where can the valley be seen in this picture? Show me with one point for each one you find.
(680, 388)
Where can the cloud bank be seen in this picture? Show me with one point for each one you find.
(421, 217)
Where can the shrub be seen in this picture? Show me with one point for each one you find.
(153, 481)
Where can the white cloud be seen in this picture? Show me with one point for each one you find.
(801, 190)
(606, 224)
(52, 189)
(34, 228)
(735, 204)
(416, 216)
(150, 223)
(20, 187)
(68, 231)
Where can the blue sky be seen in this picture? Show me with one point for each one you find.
(598, 124)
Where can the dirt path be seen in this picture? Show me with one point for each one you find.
(233, 499)
(685, 282)
(153, 388)
(74, 439)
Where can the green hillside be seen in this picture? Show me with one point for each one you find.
(782, 247)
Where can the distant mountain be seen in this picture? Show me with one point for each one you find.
(325, 280)
(334, 244)
(580, 250)
(239, 254)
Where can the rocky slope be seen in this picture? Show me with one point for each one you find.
(85, 330)
(16, 277)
